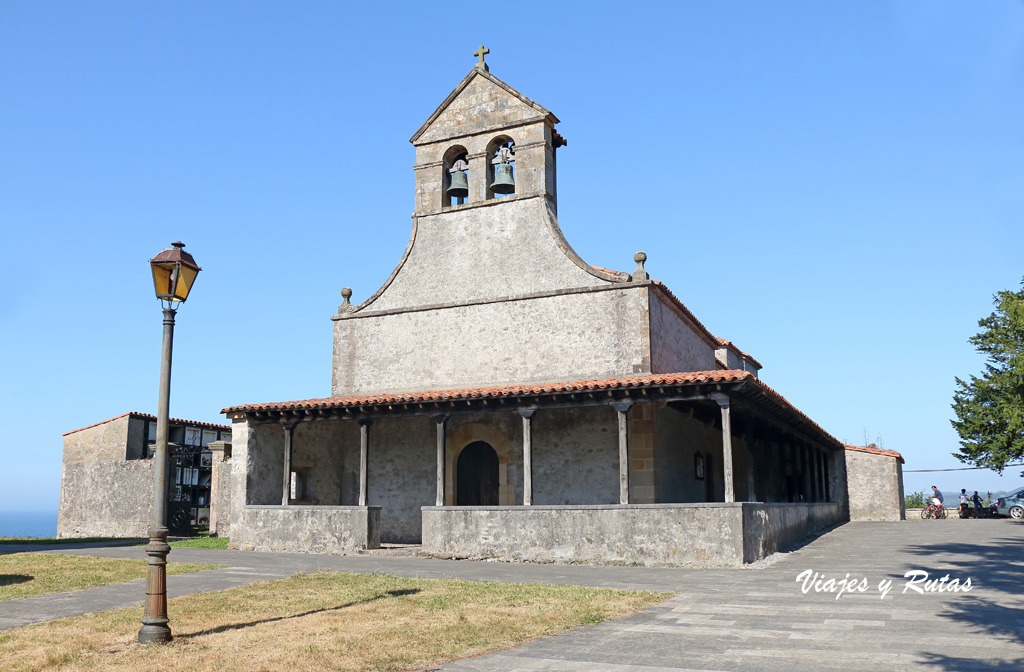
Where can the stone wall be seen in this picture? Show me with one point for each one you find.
(675, 345)
(562, 337)
(101, 493)
(402, 474)
(707, 535)
(875, 486)
(307, 529)
(576, 456)
(264, 462)
(326, 452)
(510, 248)
(111, 498)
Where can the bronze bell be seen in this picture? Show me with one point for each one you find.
(503, 183)
(460, 185)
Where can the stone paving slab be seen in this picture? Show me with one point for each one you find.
(723, 619)
(761, 621)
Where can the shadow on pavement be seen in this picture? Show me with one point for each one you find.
(6, 547)
(994, 566)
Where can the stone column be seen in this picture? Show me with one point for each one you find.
(440, 422)
(477, 178)
(623, 409)
(748, 438)
(220, 501)
(364, 454)
(822, 476)
(527, 455)
(805, 452)
(286, 478)
(730, 490)
(815, 476)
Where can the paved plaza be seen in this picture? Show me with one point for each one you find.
(750, 619)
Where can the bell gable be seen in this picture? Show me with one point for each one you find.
(481, 103)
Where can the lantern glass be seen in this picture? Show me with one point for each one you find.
(164, 280)
(186, 276)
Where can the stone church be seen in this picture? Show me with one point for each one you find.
(499, 397)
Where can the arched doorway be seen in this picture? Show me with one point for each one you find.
(476, 475)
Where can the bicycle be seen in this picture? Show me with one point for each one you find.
(933, 511)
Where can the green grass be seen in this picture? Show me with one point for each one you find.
(31, 574)
(200, 542)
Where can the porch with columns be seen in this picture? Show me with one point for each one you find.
(655, 517)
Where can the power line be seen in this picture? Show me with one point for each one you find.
(918, 471)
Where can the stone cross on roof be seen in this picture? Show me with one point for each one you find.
(481, 52)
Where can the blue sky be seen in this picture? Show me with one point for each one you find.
(836, 187)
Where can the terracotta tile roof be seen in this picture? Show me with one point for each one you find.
(875, 450)
(753, 385)
(607, 270)
(732, 346)
(693, 378)
(146, 416)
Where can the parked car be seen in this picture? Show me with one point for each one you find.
(1010, 505)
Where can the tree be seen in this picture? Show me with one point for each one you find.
(990, 409)
(914, 500)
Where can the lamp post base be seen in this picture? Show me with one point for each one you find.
(154, 622)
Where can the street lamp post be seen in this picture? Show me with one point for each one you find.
(174, 272)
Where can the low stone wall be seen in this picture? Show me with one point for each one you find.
(770, 527)
(712, 534)
(307, 529)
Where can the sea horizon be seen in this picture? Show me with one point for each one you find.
(40, 523)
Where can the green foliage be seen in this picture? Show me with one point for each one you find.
(990, 409)
(914, 500)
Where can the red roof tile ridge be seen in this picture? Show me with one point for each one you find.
(503, 391)
(875, 450)
(729, 344)
(149, 417)
(607, 270)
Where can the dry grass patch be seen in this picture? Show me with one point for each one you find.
(31, 574)
(321, 621)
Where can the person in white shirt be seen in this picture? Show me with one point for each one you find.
(965, 504)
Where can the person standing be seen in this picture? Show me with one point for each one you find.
(965, 504)
(977, 504)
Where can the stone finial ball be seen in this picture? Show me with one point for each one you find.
(640, 257)
(346, 293)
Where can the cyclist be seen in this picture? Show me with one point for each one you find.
(937, 498)
(977, 504)
(965, 504)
